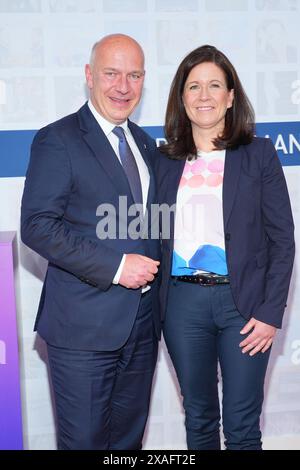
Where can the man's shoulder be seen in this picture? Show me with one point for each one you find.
(65, 124)
(139, 131)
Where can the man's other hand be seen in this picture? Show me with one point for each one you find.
(138, 271)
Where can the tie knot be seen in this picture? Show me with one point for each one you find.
(119, 132)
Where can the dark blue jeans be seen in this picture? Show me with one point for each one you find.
(201, 329)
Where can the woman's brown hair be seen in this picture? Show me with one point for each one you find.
(239, 119)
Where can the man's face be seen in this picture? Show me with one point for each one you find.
(115, 79)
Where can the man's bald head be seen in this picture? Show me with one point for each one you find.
(114, 40)
(115, 76)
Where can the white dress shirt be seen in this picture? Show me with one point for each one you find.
(107, 127)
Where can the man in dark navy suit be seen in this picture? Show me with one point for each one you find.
(98, 310)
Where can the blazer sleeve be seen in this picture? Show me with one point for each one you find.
(48, 186)
(279, 227)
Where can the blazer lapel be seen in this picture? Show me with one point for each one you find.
(175, 170)
(102, 150)
(233, 160)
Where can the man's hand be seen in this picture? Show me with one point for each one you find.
(137, 271)
(260, 339)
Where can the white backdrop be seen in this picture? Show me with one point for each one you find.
(44, 45)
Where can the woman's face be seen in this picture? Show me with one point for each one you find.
(206, 97)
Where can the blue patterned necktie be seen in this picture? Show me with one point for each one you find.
(129, 166)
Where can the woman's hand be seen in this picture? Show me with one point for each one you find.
(260, 339)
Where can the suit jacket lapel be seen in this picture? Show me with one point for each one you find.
(233, 160)
(142, 146)
(103, 151)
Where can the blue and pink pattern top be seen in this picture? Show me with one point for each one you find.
(199, 233)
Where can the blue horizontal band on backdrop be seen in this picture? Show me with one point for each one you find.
(15, 145)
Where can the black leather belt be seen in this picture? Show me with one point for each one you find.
(204, 279)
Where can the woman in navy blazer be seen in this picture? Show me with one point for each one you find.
(228, 260)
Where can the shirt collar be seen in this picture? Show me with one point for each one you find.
(105, 125)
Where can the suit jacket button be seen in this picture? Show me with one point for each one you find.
(227, 237)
